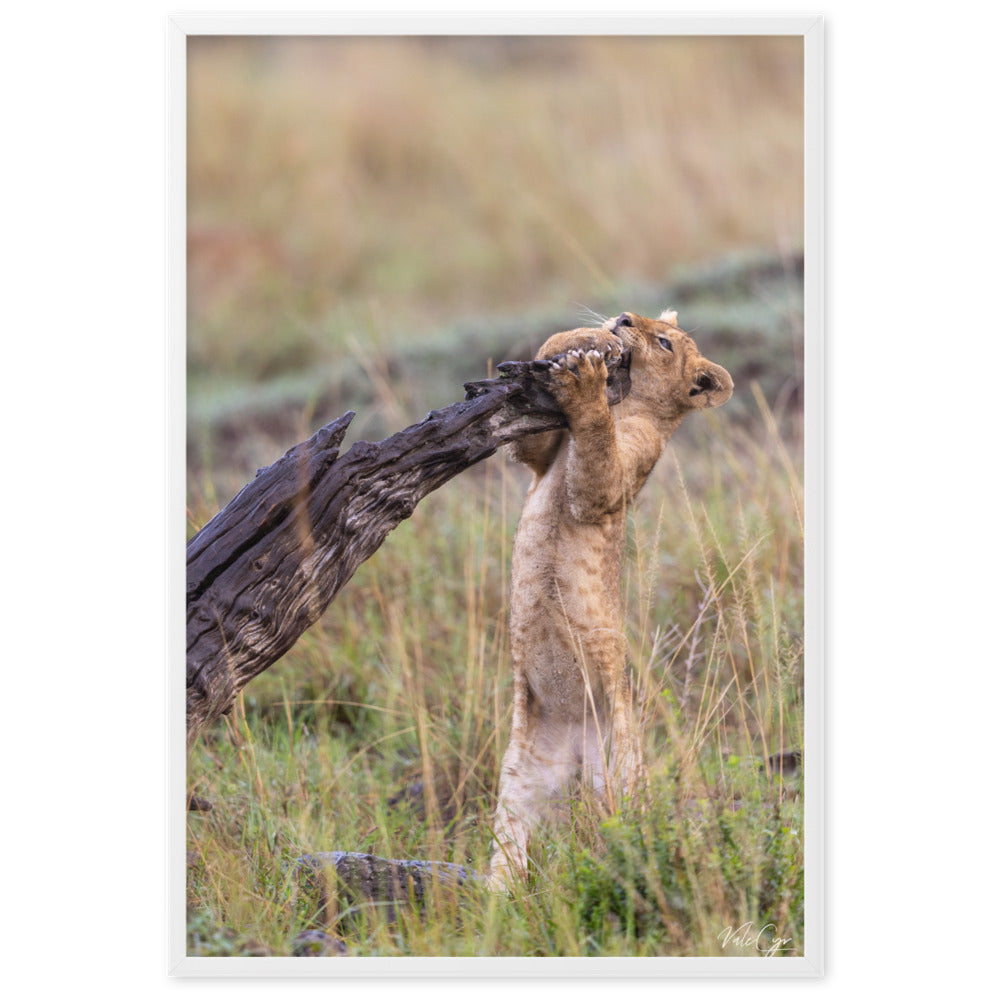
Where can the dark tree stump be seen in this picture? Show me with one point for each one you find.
(268, 565)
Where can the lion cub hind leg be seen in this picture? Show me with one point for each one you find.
(536, 769)
(627, 765)
(614, 765)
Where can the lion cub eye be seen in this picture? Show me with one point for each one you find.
(665, 344)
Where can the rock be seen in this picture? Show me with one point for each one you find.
(316, 944)
(336, 880)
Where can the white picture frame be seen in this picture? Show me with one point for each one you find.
(811, 963)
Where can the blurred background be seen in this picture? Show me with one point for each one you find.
(373, 221)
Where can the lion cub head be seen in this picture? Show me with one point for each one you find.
(669, 374)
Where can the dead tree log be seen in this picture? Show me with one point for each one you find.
(268, 565)
(337, 881)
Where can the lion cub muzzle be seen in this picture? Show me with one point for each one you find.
(692, 381)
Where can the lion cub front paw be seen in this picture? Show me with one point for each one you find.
(578, 381)
(559, 344)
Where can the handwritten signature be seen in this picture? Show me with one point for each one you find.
(765, 940)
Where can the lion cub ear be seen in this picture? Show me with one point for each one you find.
(669, 316)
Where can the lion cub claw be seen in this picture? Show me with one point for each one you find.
(578, 381)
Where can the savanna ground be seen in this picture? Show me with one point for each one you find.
(374, 221)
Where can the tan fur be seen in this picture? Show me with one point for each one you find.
(572, 704)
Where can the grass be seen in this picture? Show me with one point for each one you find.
(382, 730)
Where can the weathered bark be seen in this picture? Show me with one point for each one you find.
(268, 565)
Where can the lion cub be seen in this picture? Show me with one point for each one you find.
(573, 711)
